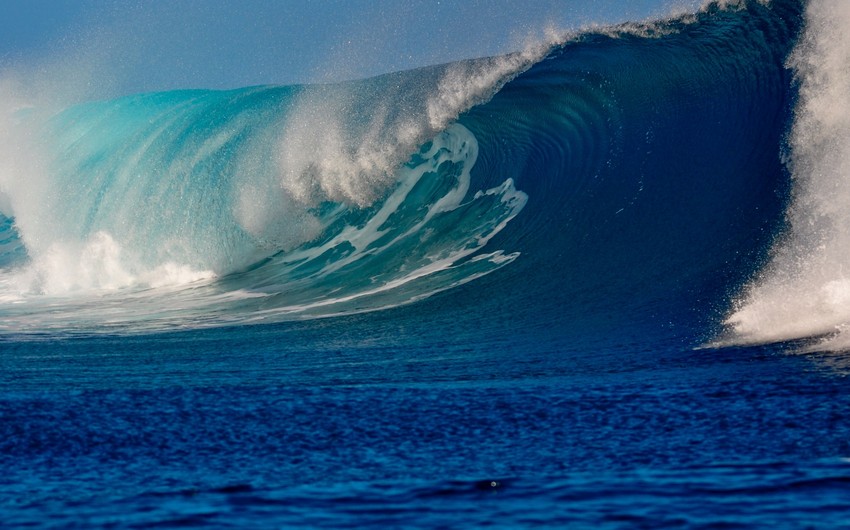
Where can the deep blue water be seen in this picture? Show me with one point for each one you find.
(503, 292)
(236, 428)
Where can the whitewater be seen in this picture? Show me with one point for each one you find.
(803, 291)
(596, 282)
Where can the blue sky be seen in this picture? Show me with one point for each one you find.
(158, 45)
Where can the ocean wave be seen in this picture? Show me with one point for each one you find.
(622, 173)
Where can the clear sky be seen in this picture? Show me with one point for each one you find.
(155, 45)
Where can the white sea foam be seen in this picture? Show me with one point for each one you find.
(58, 265)
(466, 84)
(456, 144)
(805, 290)
(95, 265)
(331, 151)
(729, 4)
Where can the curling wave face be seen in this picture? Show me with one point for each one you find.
(620, 180)
(194, 207)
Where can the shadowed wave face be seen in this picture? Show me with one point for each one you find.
(626, 180)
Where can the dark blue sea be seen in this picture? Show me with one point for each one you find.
(596, 283)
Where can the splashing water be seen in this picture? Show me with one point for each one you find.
(805, 290)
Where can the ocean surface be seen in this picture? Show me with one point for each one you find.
(596, 283)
